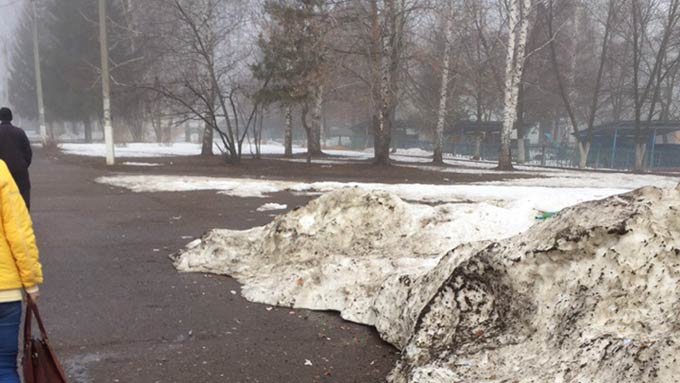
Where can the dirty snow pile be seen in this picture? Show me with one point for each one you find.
(591, 295)
(339, 251)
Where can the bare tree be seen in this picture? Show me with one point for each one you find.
(647, 93)
(584, 143)
(482, 64)
(203, 68)
(448, 27)
(388, 20)
(518, 25)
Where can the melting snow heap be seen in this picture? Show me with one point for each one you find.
(590, 295)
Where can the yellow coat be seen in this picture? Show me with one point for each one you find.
(19, 262)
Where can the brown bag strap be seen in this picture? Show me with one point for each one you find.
(32, 311)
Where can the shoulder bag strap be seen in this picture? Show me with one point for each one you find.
(32, 311)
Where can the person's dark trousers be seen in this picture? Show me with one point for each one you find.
(10, 320)
(26, 195)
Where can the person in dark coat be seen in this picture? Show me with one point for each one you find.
(15, 150)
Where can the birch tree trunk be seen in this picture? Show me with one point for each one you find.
(288, 133)
(438, 157)
(583, 151)
(382, 135)
(657, 74)
(376, 59)
(518, 25)
(640, 151)
(521, 148)
(208, 132)
(478, 147)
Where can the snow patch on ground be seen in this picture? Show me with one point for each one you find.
(151, 150)
(272, 207)
(414, 158)
(561, 177)
(134, 150)
(523, 197)
(141, 164)
(231, 186)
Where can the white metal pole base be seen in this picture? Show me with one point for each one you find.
(108, 138)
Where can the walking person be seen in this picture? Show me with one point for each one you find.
(20, 270)
(15, 150)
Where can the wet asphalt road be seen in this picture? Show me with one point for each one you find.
(117, 311)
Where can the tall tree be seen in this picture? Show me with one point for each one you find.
(482, 64)
(70, 53)
(294, 62)
(647, 93)
(22, 74)
(448, 27)
(568, 96)
(518, 25)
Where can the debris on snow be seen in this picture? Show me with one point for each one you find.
(272, 207)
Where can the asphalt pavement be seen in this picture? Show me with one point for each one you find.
(117, 311)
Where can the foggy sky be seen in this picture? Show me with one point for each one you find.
(9, 11)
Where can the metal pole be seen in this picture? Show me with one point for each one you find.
(7, 66)
(106, 87)
(38, 77)
(616, 133)
(651, 154)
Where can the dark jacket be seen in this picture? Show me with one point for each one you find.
(15, 150)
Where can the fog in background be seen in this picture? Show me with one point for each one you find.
(428, 74)
(9, 14)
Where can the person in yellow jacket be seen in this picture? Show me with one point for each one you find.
(20, 270)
